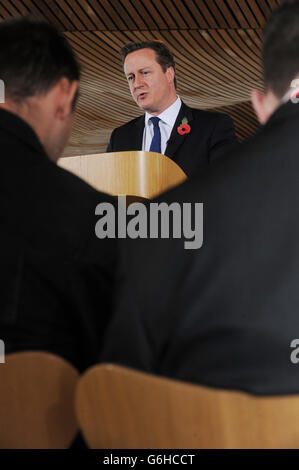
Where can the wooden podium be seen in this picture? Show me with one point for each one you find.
(141, 174)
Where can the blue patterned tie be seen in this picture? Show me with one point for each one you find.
(156, 141)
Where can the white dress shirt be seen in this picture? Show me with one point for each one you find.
(168, 118)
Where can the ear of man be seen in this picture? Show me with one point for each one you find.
(170, 74)
(264, 104)
(257, 100)
(53, 116)
(63, 94)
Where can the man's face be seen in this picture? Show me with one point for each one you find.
(152, 89)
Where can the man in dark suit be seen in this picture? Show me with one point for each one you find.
(56, 278)
(226, 315)
(190, 137)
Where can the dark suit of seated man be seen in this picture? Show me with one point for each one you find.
(56, 280)
(150, 70)
(226, 315)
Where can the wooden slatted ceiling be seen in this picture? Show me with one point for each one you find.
(216, 44)
(102, 15)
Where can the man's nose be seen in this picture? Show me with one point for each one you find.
(138, 82)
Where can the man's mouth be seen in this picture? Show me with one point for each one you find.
(141, 96)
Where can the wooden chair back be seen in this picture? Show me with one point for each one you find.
(37, 401)
(122, 408)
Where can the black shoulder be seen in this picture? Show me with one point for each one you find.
(127, 125)
(209, 116)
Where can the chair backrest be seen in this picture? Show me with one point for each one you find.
(122, 408)
(37, 401)
(144, 174)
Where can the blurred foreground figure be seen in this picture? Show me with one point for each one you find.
(56, 281)
(226, 314)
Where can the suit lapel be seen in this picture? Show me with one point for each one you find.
(176, 139)
(138, 133)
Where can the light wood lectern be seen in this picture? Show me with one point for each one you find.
(142, 174)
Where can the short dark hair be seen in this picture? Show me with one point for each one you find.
(33, 57)
(281, 48)
(163, 55)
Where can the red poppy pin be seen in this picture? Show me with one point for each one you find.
(184, 127)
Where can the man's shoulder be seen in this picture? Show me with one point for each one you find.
(127, 137)
(61, 199)
(207, 115)
(73, 188)
(128, 125)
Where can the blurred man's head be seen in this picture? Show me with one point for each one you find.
(280, 56)
(150, 70)
(41, 75)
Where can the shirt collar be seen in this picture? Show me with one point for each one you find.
(169, 115)
(291, 95)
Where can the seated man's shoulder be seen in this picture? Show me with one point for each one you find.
(69, 184)
(63, 211)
